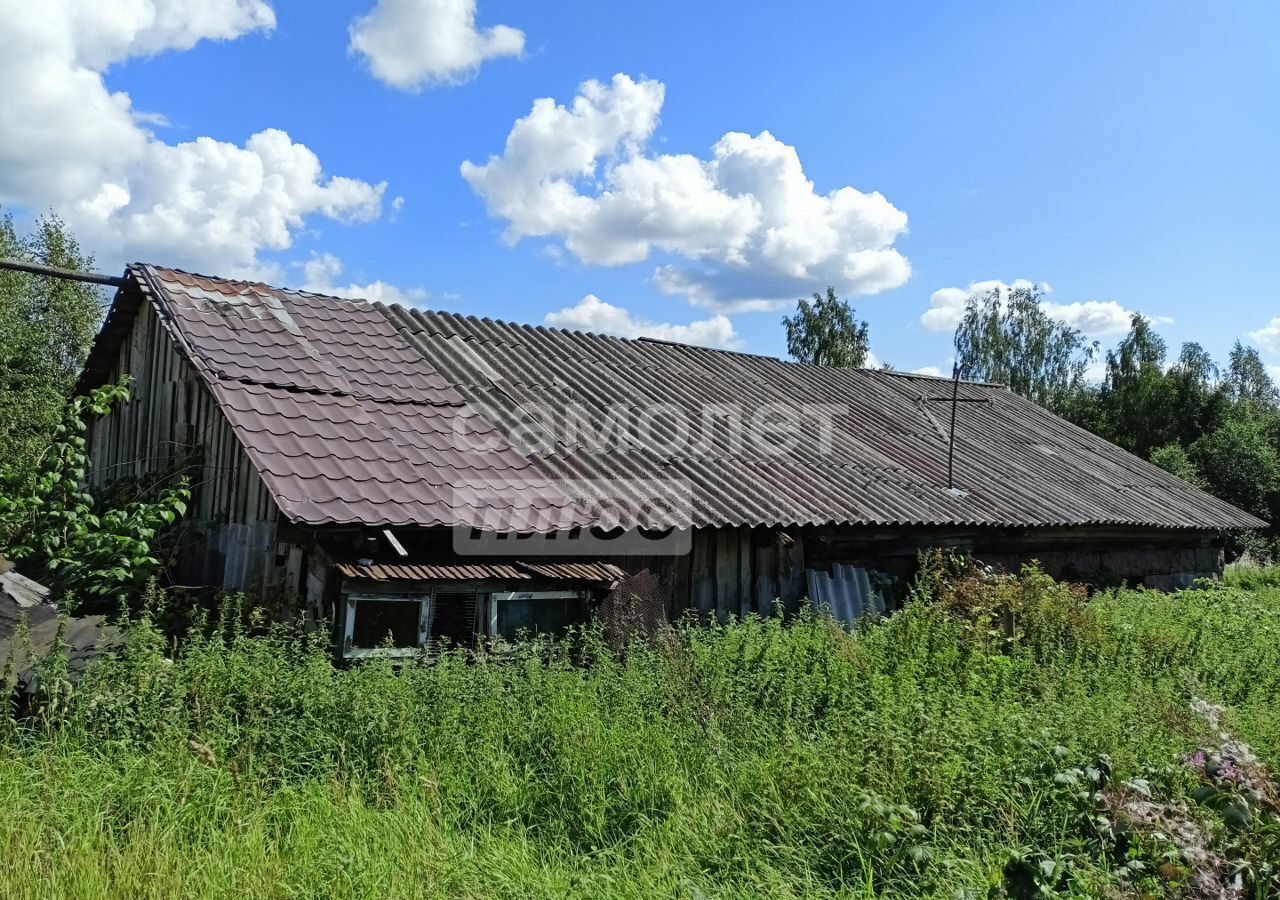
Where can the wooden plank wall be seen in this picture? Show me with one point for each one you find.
(735, 572)
(173, 420)
(1094, 554)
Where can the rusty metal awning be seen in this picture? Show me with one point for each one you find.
(590, 572)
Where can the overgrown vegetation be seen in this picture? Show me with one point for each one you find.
(1000, 736)
(46, 327)
(97, 552)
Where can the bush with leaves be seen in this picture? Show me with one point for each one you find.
(1173, 458)
(96, 552)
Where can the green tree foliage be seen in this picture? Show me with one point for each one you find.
(1142, 404)
(1198, 400)
(1217, 428)
(81, 546)
(827, 332)
(46, 327)
(1247, 378)
(1007, 337)
(1241, 465)
(1135, 386)
(1173, 458)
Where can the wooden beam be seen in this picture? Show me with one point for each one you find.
(726, 569)
(766, 588)
(21, 265)
(702, 574)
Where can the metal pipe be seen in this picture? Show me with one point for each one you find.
(21, 265)
(951, 442)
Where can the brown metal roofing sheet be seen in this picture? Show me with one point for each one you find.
(590, 572)
(345, 421)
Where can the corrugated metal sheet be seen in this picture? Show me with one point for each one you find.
(21, 590)
(358, 413)
(600, 573)
(846, 592)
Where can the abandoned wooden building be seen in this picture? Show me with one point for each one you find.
(437, 476)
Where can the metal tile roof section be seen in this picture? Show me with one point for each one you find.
(344, 420)
(881, 460)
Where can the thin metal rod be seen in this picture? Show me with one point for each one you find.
(21, 265)
(951, 442)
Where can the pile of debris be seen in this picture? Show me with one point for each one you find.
(24, 600)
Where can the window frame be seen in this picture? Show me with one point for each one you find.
(426, 609)
(493, 598)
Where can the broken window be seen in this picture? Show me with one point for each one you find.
(386, 624)
(454, 622)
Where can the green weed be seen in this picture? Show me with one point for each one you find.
(946, 751)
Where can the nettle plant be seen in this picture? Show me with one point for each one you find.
(1205, 829)
(82, 547)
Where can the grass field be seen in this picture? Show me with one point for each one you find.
(999, 737)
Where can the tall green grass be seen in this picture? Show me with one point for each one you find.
(762, 758)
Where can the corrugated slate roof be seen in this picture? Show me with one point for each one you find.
(359, 413)
(1015, 463)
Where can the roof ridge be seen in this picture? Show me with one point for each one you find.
(378, 304)
(700, 348)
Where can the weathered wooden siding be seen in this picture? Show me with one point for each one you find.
(1099, 555)
(736, 572)
(172, 423)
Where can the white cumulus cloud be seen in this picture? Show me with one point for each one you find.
(748, 225)
(935, 371)
(1095, 318)
(409, 44)
(71, 144)
(1268, 336)
(946, 306)
(321, 273)
(593, 314)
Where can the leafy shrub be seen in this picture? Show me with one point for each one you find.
(1241, 465)
(1173, 458)
(80, 547)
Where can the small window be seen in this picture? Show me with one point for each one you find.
(386, 624)
(535, 612)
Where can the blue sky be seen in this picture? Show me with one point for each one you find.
(1123, 154)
